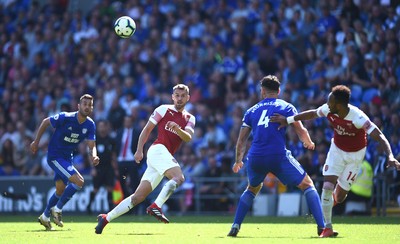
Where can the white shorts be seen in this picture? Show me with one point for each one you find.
(344, 165)
(159, 160)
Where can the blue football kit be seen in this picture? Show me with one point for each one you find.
(65, 140)
(268, 151)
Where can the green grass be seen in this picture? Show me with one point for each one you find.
(198, 229)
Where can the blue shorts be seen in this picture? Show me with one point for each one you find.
(285, 167)
(63, 169)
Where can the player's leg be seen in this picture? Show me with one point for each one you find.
(255, 179)
(349, 174)
(60, 187)
(327, 198)
(161, 160)
(176, 179)
(290, 172)
(313, 202)
(149, 182)
(245, 203)
(334, 166)
(75, 184)
(143, 190)
(44, 219)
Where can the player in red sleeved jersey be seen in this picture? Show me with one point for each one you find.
(175, 125)
(347, 150)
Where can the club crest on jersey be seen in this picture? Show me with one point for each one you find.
(326, 167)
(84, 130)
(56, 117)
(171, 112)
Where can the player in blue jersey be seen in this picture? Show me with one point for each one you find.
(70, 130)
(268, 153)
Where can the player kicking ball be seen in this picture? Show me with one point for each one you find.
(175, 125)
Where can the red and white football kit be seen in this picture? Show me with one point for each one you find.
(348, 145)
(160, 154)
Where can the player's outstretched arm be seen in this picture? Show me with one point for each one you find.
(42, 128)
(241, 148)
(283, 121)
(93, 153)
(304, 136)
(143, 137)
(377, 135)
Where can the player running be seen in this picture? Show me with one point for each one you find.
(70, 130)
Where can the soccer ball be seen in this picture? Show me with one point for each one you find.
(125, 26)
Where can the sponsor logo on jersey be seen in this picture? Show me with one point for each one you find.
(170, 130)
(70, 168)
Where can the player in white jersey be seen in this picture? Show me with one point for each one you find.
(347, 150)
(175, 125)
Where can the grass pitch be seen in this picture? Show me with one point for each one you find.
(198, 229)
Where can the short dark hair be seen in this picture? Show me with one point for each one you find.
(86, 96)
(342, 94)
(271, 82)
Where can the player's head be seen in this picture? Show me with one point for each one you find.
(180, 96)
(85, 106)
(270, 85)
(339, 98)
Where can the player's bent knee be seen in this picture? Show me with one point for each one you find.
(305, 183)
(255, 189)
(328, 185)
(179, 180)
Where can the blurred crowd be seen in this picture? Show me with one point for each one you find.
(50, 55)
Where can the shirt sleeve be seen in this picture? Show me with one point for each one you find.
(191, 123)
(362, 121)
(323, 110)
(246, 121)
(57, 119)
(158, 114)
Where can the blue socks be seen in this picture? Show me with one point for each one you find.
(314, 203)
(245, 202)
(68, 193)
(52, 202)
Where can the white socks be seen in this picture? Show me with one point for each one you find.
(327, 203)
(166, 192)
(120, 209)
